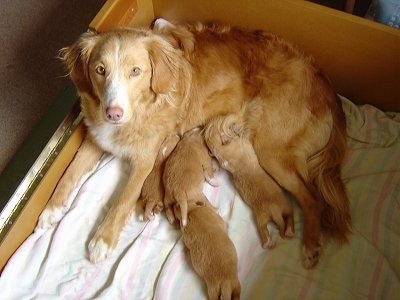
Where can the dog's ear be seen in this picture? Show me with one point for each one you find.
(225, 139)
(76, 59)
(179, 36)
(231, 129)
(236, 129)
(165, 61)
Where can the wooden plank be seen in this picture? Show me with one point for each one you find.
(26, 221)
(121, 13)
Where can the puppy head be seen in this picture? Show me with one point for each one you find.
(225, 138)
(124, 70)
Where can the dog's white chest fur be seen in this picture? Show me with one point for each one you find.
(104, 136)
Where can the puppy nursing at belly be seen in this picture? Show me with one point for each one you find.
(227, 140)
(212, 253)
(139, 86)
(185, 171)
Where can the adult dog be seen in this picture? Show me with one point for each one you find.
(138, 86)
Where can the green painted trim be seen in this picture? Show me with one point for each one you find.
(30, 150)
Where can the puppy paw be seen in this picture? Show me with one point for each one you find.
(151, 209)
(50, 217)
(98, 250)
(169, 213)
(227, 289)
(270, 244)
(289, 233)
(272, 237)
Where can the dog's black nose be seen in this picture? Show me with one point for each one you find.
(114, 113)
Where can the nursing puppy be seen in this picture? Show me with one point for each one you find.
(212, 253)
(227, 140)
(184, 174)
(138, 86)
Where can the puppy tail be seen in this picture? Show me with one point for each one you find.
(325, 172)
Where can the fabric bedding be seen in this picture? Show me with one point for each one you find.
(150, 261)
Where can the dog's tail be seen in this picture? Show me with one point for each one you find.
(325, 172)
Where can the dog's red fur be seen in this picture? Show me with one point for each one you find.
(138, 86)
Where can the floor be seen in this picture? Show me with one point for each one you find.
(31, 76)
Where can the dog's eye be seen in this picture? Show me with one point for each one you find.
(100, 70)
(135, 71)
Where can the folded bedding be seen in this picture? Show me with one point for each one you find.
(150, 261)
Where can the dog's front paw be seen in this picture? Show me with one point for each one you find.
(98, 250)
(50, 217)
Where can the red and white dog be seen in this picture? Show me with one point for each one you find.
(139, 86)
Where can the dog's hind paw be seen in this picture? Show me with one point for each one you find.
(311, 256)
(50, 217)
(98, 250)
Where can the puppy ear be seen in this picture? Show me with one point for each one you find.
(165, 63)
(76, 58)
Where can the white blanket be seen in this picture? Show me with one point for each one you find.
(150, 260)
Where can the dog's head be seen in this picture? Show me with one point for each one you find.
(125, 71)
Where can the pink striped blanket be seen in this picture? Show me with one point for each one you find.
(150, 260)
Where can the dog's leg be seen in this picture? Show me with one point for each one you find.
(84, 160)
(310, 203)
(153, 188)
(107, 235)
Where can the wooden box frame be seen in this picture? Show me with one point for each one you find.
(360, 57)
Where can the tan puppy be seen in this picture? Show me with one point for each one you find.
(226, 139)
(152, 195)
(184, 174)
(212, 253)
